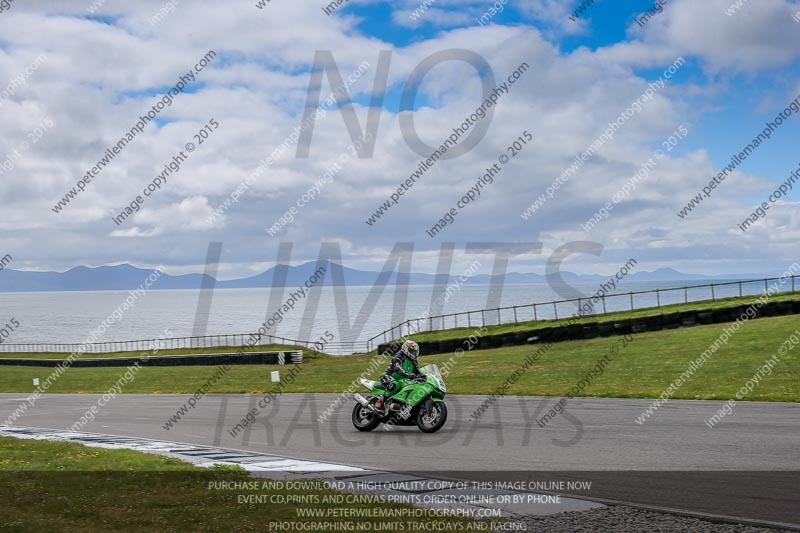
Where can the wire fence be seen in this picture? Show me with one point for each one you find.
(233, 340)
(554, 310)
(609, 303)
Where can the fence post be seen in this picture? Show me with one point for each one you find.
(740, 289)
(555, 310)
(793, 283)
(483, 318)
(604, 304)
(713, 297)
(515, 315)
(658, 298)
(535, 317)
(498, 316)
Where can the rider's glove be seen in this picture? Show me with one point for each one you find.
(388, 382)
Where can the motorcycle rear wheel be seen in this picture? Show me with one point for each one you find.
(364, 419)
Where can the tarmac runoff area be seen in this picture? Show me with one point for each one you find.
(673, 463)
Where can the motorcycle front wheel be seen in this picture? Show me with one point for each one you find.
(364, 419)
(433, 420)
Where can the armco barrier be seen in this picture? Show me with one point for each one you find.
(590, 330)
(563, 308)
(292, 357)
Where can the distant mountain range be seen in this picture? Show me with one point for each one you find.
(127, 277)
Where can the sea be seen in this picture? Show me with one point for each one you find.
(346, 315)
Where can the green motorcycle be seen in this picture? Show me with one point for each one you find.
(419, 402)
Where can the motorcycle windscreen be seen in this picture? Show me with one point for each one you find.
(433, 370)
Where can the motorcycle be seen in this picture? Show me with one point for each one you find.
(419, 402)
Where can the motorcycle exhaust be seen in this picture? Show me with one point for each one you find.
(363, 401)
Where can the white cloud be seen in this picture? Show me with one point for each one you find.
(136, 231)
(100, 77)
(761, 35)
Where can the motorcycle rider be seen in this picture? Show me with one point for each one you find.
(403, 366)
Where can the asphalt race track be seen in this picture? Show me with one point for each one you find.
(745, 467)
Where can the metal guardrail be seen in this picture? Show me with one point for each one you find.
(207, 341)
(610, 303)
(291, 357)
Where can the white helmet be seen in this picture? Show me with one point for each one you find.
(411, 349)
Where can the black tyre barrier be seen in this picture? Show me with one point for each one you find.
(425, 347)
(521, 337)
(451, 345)
(770, 309)
(705, 317)
(689, 319)
(558, 334)
(623, 327)
(249, 358)
(589, 331)
(605, 329)
(508, 339)
(672, 320)
(544, 334)
(490, 341)
(392, 347)
(610, 328)
(723, 315)
(656, 323)
(741, 310)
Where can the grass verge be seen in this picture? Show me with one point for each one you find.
(641, 370)
(58, 486)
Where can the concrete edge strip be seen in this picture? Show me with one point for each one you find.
(279, 467)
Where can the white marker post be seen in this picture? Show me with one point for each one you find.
(35, 382)
(275, 375)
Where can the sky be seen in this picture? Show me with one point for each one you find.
(76, 76)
